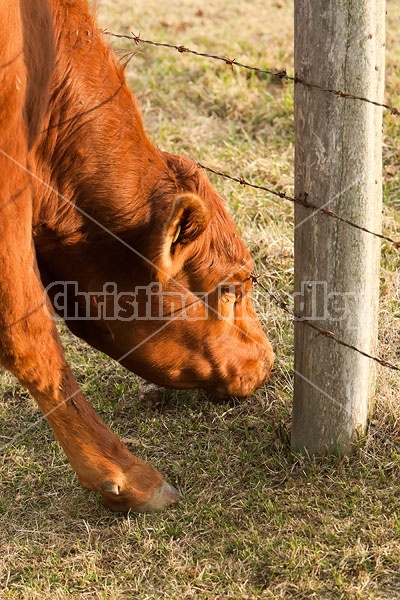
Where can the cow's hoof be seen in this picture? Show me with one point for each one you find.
(163, 496)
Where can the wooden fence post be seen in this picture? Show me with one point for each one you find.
(338, 45)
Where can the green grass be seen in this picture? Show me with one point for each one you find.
(256, 520)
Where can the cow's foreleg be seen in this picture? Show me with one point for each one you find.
(31, 350)
(102, 462)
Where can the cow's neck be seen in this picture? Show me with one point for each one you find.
(94, 157)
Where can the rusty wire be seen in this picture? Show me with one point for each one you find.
(325, 332)
(281, 74)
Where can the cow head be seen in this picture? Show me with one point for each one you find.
(170, 298)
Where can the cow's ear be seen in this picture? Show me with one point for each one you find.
(188, 219)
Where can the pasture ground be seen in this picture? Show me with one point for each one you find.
(256, 520)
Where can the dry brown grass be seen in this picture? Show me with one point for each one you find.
(256, 521)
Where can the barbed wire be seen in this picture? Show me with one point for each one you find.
(280, 74)
(302, 201)
(325, 332)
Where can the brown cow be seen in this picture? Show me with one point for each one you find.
(87, 199)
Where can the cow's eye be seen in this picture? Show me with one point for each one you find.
(226, 289)
(232, 291)
(227, 294)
